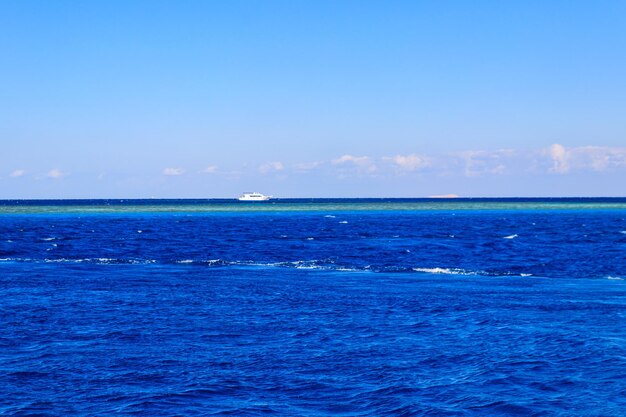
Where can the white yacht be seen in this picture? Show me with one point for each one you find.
(253, 197)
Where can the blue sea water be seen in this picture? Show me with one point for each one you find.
(313, 307)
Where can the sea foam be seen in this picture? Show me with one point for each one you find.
(445, 271)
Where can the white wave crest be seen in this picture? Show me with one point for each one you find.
(99, 261)
(615, 278)
(445, 271)
(215, 262)
(14, 260)
(304, 265)
(510, 236)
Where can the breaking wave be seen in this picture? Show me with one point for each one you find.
(446, 271)
(314, 264)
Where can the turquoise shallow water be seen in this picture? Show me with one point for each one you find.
(313, 308)
(295, 205)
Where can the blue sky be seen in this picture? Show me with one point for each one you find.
(126, 99)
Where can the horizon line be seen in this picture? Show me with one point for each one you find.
(312, 198)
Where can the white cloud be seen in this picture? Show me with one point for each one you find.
(471, 163)
(594, 158)
(599, 158)
(478, 163)
(56, 174)
(17, 173)
(211, 169)
(271, 167)
(409, 162)
(350, 158)
(560, 157)
(362, 163)
(172, 172)
(556, 159)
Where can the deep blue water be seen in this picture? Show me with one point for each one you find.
(313, 308)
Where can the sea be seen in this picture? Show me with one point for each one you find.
(313, 307)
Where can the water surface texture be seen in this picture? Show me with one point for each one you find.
(313, 307)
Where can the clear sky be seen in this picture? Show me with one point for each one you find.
(293, 98)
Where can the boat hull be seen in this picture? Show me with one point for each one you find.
(253, 198)
(256, 196)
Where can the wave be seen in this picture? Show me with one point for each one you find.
(313, 264)
(207, 262)
(324, 264)
(446, 271)
(99, 261)
(510, 236)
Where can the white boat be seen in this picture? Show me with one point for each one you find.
(253, 197)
